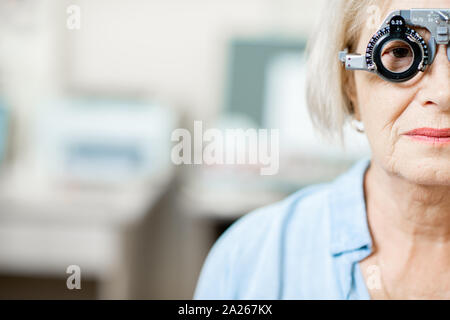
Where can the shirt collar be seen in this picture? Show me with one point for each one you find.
(348, 218)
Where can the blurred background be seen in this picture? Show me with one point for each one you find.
(90, 93)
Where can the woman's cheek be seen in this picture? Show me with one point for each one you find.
(381, 112)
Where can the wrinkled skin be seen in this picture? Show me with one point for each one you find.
(407, 186)
(389, 110)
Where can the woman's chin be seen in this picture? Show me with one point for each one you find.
(426, 171)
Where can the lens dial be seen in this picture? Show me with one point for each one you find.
(397, 53)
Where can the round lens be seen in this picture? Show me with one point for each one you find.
(397, 56)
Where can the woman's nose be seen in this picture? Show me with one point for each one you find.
(436, 89)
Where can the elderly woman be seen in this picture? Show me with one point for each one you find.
(382, 229)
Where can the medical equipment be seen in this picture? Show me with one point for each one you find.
(397, 52)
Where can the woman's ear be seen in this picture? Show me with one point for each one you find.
(350, 91)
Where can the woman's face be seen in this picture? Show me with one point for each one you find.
(391, 110)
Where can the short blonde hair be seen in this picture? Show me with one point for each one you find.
(339, 28)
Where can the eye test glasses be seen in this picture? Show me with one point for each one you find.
(397, 52)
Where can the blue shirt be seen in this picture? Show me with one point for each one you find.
(305, 247)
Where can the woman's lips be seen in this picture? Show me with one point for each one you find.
(436, 136)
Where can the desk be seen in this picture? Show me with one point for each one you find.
(46, 228)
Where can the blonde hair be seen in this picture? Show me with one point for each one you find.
(327, 80)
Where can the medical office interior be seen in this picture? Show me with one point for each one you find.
(90, 94)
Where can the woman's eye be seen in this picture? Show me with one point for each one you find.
(401, 52)
(397, 56)
(398, 52)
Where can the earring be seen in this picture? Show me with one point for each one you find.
(357, 125)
